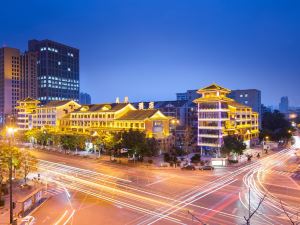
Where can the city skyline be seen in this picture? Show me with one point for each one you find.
(133, 51)
(149, 112)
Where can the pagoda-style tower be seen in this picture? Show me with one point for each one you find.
(219, 116)
(212, 116)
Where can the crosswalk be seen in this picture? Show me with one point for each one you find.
(292, 173)
(53, 191)
(278, 172)
(296, 176)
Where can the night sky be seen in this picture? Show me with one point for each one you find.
(151, 49)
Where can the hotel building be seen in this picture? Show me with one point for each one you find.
(219, 116)
(70, 117)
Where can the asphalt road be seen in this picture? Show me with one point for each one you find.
(88, 192)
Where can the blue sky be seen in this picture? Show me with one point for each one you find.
(151, 49)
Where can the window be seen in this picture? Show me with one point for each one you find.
(241, 96)
(69, 69)
(246, 102)
(246, 95)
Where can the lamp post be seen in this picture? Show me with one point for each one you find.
(10, 133)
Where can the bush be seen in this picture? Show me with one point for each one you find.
(233, 161)
(196, 158)
(167, 157)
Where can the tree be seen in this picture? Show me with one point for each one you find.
(251, 214)
(233, 144)
(292, 216)
(188, 138)
(28, 164)
(275, 126)
(8, 153)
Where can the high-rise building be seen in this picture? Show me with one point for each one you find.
(219, 116)
(284, 104)
(189, 95)
(85, 99)
(28, 75)
(9, 81)
(17, 79)
(57, 70)
(248, 97)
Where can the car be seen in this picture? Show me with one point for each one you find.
(188, 167)
(28, 220)
(206, 168)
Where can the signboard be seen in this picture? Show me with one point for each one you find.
(157, 126)
(38, 196)
(27, 204)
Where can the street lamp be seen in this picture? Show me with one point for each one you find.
(10, 133)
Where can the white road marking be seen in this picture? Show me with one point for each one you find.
(159, 181)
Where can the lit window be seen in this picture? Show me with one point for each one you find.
(59, 63)
(69, 69)
(246, 102)
(241, 96)
(246, 95)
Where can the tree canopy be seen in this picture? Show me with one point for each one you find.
(233, 144)
(275, 126)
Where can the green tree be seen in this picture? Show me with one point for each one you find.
(8, 153)
(233, 144)
(275, 126)
(28, 164)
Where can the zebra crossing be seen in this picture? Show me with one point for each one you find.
(282, 173)
(296, 175)
(53, 191)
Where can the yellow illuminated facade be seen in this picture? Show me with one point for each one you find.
(70, 117)
(219, 116)
(116, 117)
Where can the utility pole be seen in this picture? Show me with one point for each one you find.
(11, 204)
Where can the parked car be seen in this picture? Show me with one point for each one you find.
(188, 167)
(206, 168)
(28, 220)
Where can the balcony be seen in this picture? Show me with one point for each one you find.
(213, 119)
(210, 127)
(209, 144)
(213, 110)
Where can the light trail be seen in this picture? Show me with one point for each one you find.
(87, 182)
(61, 218)
(69, 218)
(252, 181)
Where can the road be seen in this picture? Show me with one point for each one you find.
(88, 192)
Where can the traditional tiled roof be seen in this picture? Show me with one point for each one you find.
(28, 99)
(105, 107)
(163, 104)
(213, 99)
(237, 105)
(138, 114)
(56, 103)
(213, 87)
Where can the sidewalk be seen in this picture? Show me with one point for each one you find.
(19, 193)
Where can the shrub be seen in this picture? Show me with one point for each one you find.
(233, 161)
(196, 158)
